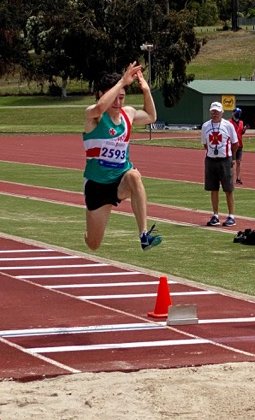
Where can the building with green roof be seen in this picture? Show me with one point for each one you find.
(193, 107)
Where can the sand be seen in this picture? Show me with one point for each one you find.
(208, 392)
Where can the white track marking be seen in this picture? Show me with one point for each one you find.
(47, 267)
(56, 257)
(17, 251)
(111, 346)
(121, 273)
(140, 295)
(31, 332)
(87, 285)
(39, 356)
(227, 320)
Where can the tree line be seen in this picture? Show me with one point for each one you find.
(79, 39)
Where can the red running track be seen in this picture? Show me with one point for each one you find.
(64, 313)
(164, 213)
(159, 162)
(67, 151)
(73, 317)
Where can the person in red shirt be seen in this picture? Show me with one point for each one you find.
(240, 130)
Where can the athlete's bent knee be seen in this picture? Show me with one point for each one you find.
(134, 177)
(92, 244)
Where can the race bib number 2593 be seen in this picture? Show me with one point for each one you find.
(113, 154)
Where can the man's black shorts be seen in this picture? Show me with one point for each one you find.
(97, 195)
(218, 171)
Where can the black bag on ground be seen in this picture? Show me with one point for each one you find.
(246, 237)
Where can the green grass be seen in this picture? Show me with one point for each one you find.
(191, 143)
(47, 115)
(231, 70)
(174, 193)
(196, 254)
(43, 176)
(225, 55)
(44, 120)
(44, 101)
(24, 101)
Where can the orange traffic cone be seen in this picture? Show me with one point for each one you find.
(163, 300)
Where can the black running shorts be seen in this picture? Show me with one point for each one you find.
(98, 195)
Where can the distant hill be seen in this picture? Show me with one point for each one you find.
(225, 55)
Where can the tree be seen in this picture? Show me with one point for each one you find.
(172, 34)
(243, 6)
(225, 10)
(46, 31)
(175, 46)
(234, 7)
(12, 52)
(70, 38)
(206, 11)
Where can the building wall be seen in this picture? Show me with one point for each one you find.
(189, 109)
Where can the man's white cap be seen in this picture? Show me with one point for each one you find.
(217, 106)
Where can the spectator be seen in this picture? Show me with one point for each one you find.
(240, 130)
(220, 141)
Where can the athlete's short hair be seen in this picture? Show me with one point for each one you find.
(106, 82)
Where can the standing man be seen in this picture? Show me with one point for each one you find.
(110, 176)
(240, 130)
(220, 141)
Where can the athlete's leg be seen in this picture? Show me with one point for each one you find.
(96, 221)
(131, 186)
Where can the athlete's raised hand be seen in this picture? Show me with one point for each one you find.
(142, 82)
(131, 73)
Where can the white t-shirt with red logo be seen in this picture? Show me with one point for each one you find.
(218, 138)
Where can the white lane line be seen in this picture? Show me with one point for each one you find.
(111, 346)
(56, 257)
(140, 295)
(31, 332)
(87, 285)
(46, 267)
(120, 273)
(39, 356)
(227, 320)
(235, 339)
(17, 251)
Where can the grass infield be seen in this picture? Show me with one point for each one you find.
(161, 191)
(198, 254)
